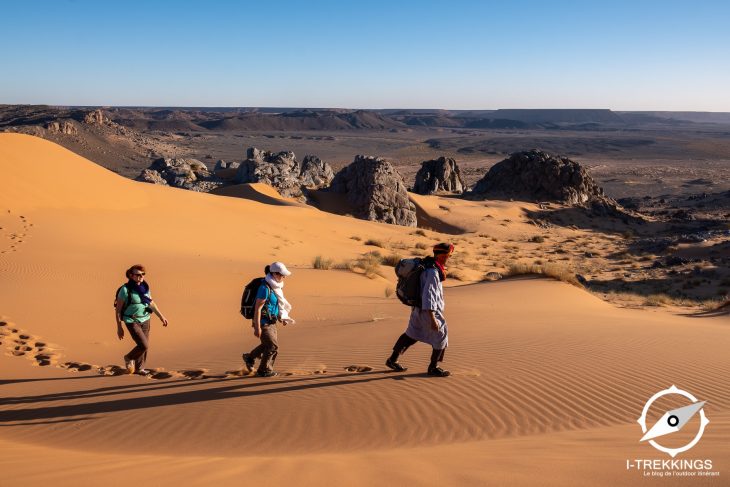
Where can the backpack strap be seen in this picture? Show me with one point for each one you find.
(265, 311)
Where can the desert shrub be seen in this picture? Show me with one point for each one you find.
(657, 300)
(557, 272)
(391, 259)
(370, 264)
(321, 263)
(345, 265)
(421, 246)
(374, 243)
(537, 239)
(419, 232)
(456, 275)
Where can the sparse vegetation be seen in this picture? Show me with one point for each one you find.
(391, 259)
(322, 263)
(374, 243)
(557, 272)
(421, 246)
(658, 300)
(370, 264)
(537, 239)
(346, 265)
(419, 232)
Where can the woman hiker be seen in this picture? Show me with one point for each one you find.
(427, 323)
(134, 306)
(270, 306)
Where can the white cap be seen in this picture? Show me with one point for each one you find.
(280, 268)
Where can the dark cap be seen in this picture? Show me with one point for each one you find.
(443, 248)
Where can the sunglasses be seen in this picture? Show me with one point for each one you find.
(140, 274)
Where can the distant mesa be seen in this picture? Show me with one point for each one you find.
(376, 191)
(180, 173)
(438, 176)
(538, 176)
(282, 171)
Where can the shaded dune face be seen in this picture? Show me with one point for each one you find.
(543, 372)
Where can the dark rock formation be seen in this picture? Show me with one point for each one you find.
(282, 171)
(537, 176)
(439, 175)
(62, 127)
(181, 173)
(376, 191)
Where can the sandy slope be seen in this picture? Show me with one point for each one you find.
(548, 380)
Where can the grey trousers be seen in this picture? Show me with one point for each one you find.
(268, 349)
(140, 333)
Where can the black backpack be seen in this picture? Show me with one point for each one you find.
(126, 303)
(408, 288)
(248, 298)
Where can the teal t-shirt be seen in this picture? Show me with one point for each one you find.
(136, 312)
(273, 304)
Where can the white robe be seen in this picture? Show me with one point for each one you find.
(432, 299)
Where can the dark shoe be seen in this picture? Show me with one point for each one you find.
(143, 372)
(248, 360)
(268, 373)
(395, 366)
(438, 372)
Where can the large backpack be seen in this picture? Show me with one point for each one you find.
(409, 273)
(248, 297)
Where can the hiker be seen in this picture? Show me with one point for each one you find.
(270, 306)
(427, 323)
(134, 306)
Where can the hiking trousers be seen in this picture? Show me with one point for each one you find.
(140, 333)
(268, 349)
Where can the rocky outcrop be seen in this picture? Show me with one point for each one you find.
(376, 191)
(180, 173)
(537, 176)
(282, 171)
(439, 175)
(96, 117)
(63, 127)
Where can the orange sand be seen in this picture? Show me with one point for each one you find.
(547, 384)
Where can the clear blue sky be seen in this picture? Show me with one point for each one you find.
(624, 55)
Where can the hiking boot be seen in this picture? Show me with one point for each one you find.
(438, 372)
(248, 360)
(129, 365)
(395, 366)
(143, 372)
(267, 373)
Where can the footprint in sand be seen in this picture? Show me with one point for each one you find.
(77, 366)
(358, 368)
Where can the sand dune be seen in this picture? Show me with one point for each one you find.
(548, 380)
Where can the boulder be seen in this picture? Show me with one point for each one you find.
(315, 173)
(282, 171)
(439, 175)
(376, 191)
(537, 176)
(180, 173)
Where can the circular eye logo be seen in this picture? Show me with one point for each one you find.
(673, 421)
